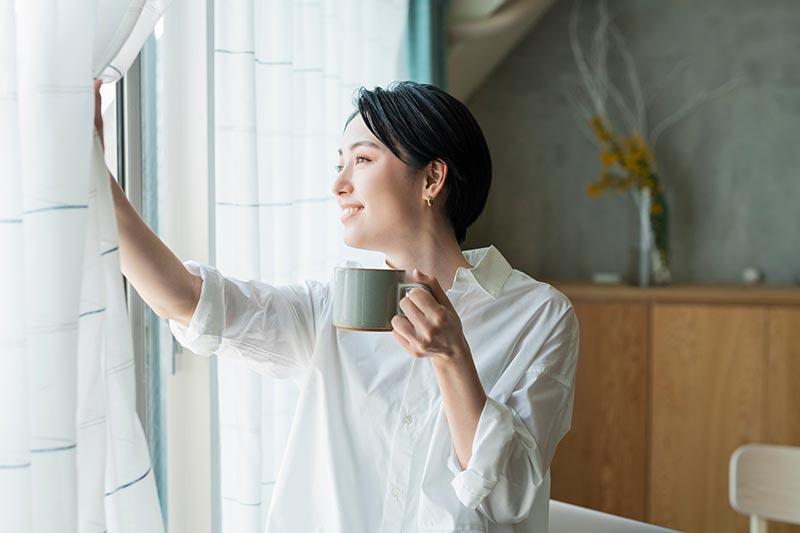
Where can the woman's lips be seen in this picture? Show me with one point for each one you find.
(348, 214)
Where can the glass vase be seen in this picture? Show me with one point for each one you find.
(653, 256)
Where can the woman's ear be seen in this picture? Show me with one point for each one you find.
(435, 177)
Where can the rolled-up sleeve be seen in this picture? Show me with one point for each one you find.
(515, 440)
(272, 327)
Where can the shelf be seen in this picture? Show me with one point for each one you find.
(679, 293)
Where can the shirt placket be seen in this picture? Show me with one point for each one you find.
(415, 399)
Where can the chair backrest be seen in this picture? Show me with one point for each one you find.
(765, 484)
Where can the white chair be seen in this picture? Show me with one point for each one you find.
(567, 518)
(765, 484)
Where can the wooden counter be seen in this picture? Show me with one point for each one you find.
(671, 380)
(710, 294)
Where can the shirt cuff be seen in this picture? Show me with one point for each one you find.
(204, 333)
(489, 450)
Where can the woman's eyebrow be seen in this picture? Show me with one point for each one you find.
(361, 143)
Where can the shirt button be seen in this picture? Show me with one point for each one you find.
(395, 492)
(407, 420)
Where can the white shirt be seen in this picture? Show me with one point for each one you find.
(370, 450)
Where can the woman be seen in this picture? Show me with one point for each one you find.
(450, 422)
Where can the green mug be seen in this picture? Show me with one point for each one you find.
(366, 299)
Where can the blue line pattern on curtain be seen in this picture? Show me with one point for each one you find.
(68, 421)
(285, 73)
(54, 208)
(12, 467)
(57, 449)
(128, 484)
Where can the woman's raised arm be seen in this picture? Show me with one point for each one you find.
(149, 265)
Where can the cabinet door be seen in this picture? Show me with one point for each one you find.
(782, 414)
(783, 376)
(707, 399)
(600, 464)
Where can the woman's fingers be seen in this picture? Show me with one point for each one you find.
(98, 114)
(403, 331)
(412, 311)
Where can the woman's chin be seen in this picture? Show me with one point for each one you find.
(351, 240)
(354, 240)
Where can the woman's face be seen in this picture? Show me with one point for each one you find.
(381, 197)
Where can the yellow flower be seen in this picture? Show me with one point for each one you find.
(594, 190)
(638, 158)
(656, 209)
(631, 162)
(600, 129)
(635, 142)
(627, 181)
(609, 158)
(636, 164)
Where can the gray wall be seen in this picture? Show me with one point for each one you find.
(732, 167)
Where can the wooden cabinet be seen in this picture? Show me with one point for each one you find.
(782, 379)
(707, 400)
(608, 436)
(670, 382)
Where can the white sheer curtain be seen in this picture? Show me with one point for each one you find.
(285, 73)
(73, 457)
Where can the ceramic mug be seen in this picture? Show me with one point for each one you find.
(366, 299)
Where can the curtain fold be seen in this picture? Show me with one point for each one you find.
(285, 73)
(426, 42)
(73, 457)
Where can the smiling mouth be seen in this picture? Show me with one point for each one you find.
(351, 212)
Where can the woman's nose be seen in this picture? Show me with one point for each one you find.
(342, 183)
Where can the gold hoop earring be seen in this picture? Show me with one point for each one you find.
(428, 200)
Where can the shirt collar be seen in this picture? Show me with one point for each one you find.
(490, 269)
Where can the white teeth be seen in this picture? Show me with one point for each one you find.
(351, 210)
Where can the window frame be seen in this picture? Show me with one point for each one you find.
(134, 152)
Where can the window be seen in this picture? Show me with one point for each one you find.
(129, 117)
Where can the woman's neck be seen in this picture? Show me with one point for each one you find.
(440, 260)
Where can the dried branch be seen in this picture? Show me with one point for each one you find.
(580, 112)
(633, 79)
(626, 113)
(600, 56)
(630, 105)
(589, 81)
(651, 90)
(698, 99)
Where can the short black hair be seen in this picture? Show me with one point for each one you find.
(421, 123)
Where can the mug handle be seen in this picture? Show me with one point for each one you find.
(402, 288)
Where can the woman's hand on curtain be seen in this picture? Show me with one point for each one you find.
(98, 112)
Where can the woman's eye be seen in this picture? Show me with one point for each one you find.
(358, 158)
